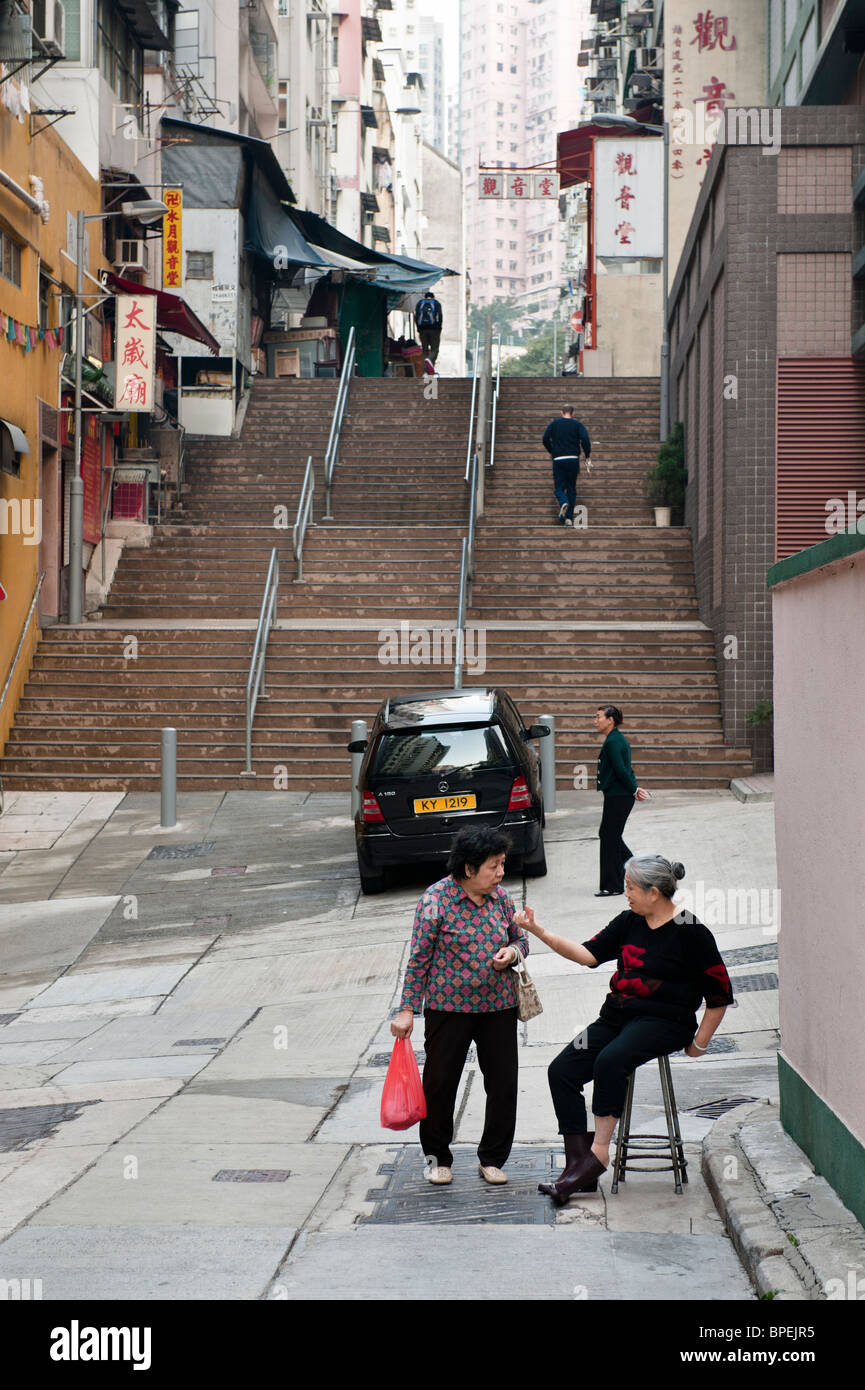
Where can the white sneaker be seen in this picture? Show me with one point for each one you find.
(563, 511)
(568, 521)
(439, 1176)
(492, 1175)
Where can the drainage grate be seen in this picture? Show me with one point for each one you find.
(181, 851)
(251, 1175)
(742, 983)
(235, 869)
(382, 1059)
(212, 921)
(714, 1108)
(722, 1045)
(199, 1042)
(25, 1124)
(8, 1018)
(407, 1197)
(751, 955)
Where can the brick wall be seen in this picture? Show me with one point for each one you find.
(765, 270)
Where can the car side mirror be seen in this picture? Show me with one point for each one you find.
(537, 731)
(357, 745)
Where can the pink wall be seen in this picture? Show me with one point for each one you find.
(819, 635)
(350, 56)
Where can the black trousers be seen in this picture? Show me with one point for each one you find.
(447, 1039)
(607, 1054)
(429, 341)
(614, 851)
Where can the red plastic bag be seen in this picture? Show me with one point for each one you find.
(402, 1100)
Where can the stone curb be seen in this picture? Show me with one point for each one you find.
(768, 1256)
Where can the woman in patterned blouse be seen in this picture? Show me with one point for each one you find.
(463, 944)
(667, 963)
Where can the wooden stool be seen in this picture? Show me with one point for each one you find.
(650, 1145)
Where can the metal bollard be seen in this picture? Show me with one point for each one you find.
(548, 761)
(168, 779)
(359, 731)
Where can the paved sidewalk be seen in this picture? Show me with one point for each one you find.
(193, 1036)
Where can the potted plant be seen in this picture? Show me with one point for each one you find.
(665, 480)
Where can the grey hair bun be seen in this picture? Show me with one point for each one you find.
(654, 871)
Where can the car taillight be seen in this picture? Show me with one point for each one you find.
(521, 797)
(370, 809)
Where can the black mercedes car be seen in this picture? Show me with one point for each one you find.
(437, 761)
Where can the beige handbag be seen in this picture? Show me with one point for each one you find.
(528, 1000)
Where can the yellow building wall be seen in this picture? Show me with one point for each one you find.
(27, 378)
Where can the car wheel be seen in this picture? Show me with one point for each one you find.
(536, 865)
(371, 883)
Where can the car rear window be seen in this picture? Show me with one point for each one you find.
(433, 751)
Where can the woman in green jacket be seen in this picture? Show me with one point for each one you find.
(617, 781)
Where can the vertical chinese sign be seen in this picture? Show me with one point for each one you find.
(172, 240)
(91, 473)
(135, 351)
(629, 204)
(715, 58)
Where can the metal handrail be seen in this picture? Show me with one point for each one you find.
(331, 458)
(467, 573)
(492, 457)
(255, 680)
(22, 638)
(472, 406)
(304, 511)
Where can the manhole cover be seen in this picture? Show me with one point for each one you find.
(407, 1197)
(714, 1108)
(181, 851)
(252, 1175)
(743, 983)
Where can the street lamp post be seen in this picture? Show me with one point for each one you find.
(148, 210)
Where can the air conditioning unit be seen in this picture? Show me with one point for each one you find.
(132, 254)
(49, 24)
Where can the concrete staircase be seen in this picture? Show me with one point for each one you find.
(568, 618)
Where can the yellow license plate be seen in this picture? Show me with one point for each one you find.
(424, 805)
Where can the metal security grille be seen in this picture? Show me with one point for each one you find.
(181, 851)
(820, 445)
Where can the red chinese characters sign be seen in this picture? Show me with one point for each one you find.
(172, 240)
(522, 186)
(135, 351)
(629, 215)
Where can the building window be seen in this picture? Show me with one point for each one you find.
(46, 318)
(119, 55)
(500, 67)
(199, 265)
(10, 259)
(282, 105)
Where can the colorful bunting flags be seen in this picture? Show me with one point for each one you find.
(27, 335)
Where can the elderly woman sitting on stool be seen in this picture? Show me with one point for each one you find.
(666, 963)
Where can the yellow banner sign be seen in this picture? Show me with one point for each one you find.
(172, 240)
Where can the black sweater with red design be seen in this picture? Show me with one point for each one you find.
(662, 972)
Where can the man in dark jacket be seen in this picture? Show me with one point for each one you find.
(563, 438)
(617, 781)
(428, 321)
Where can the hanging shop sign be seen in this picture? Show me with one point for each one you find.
(135, 351)
(523, 186)
(172, 240)
(629, 197)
